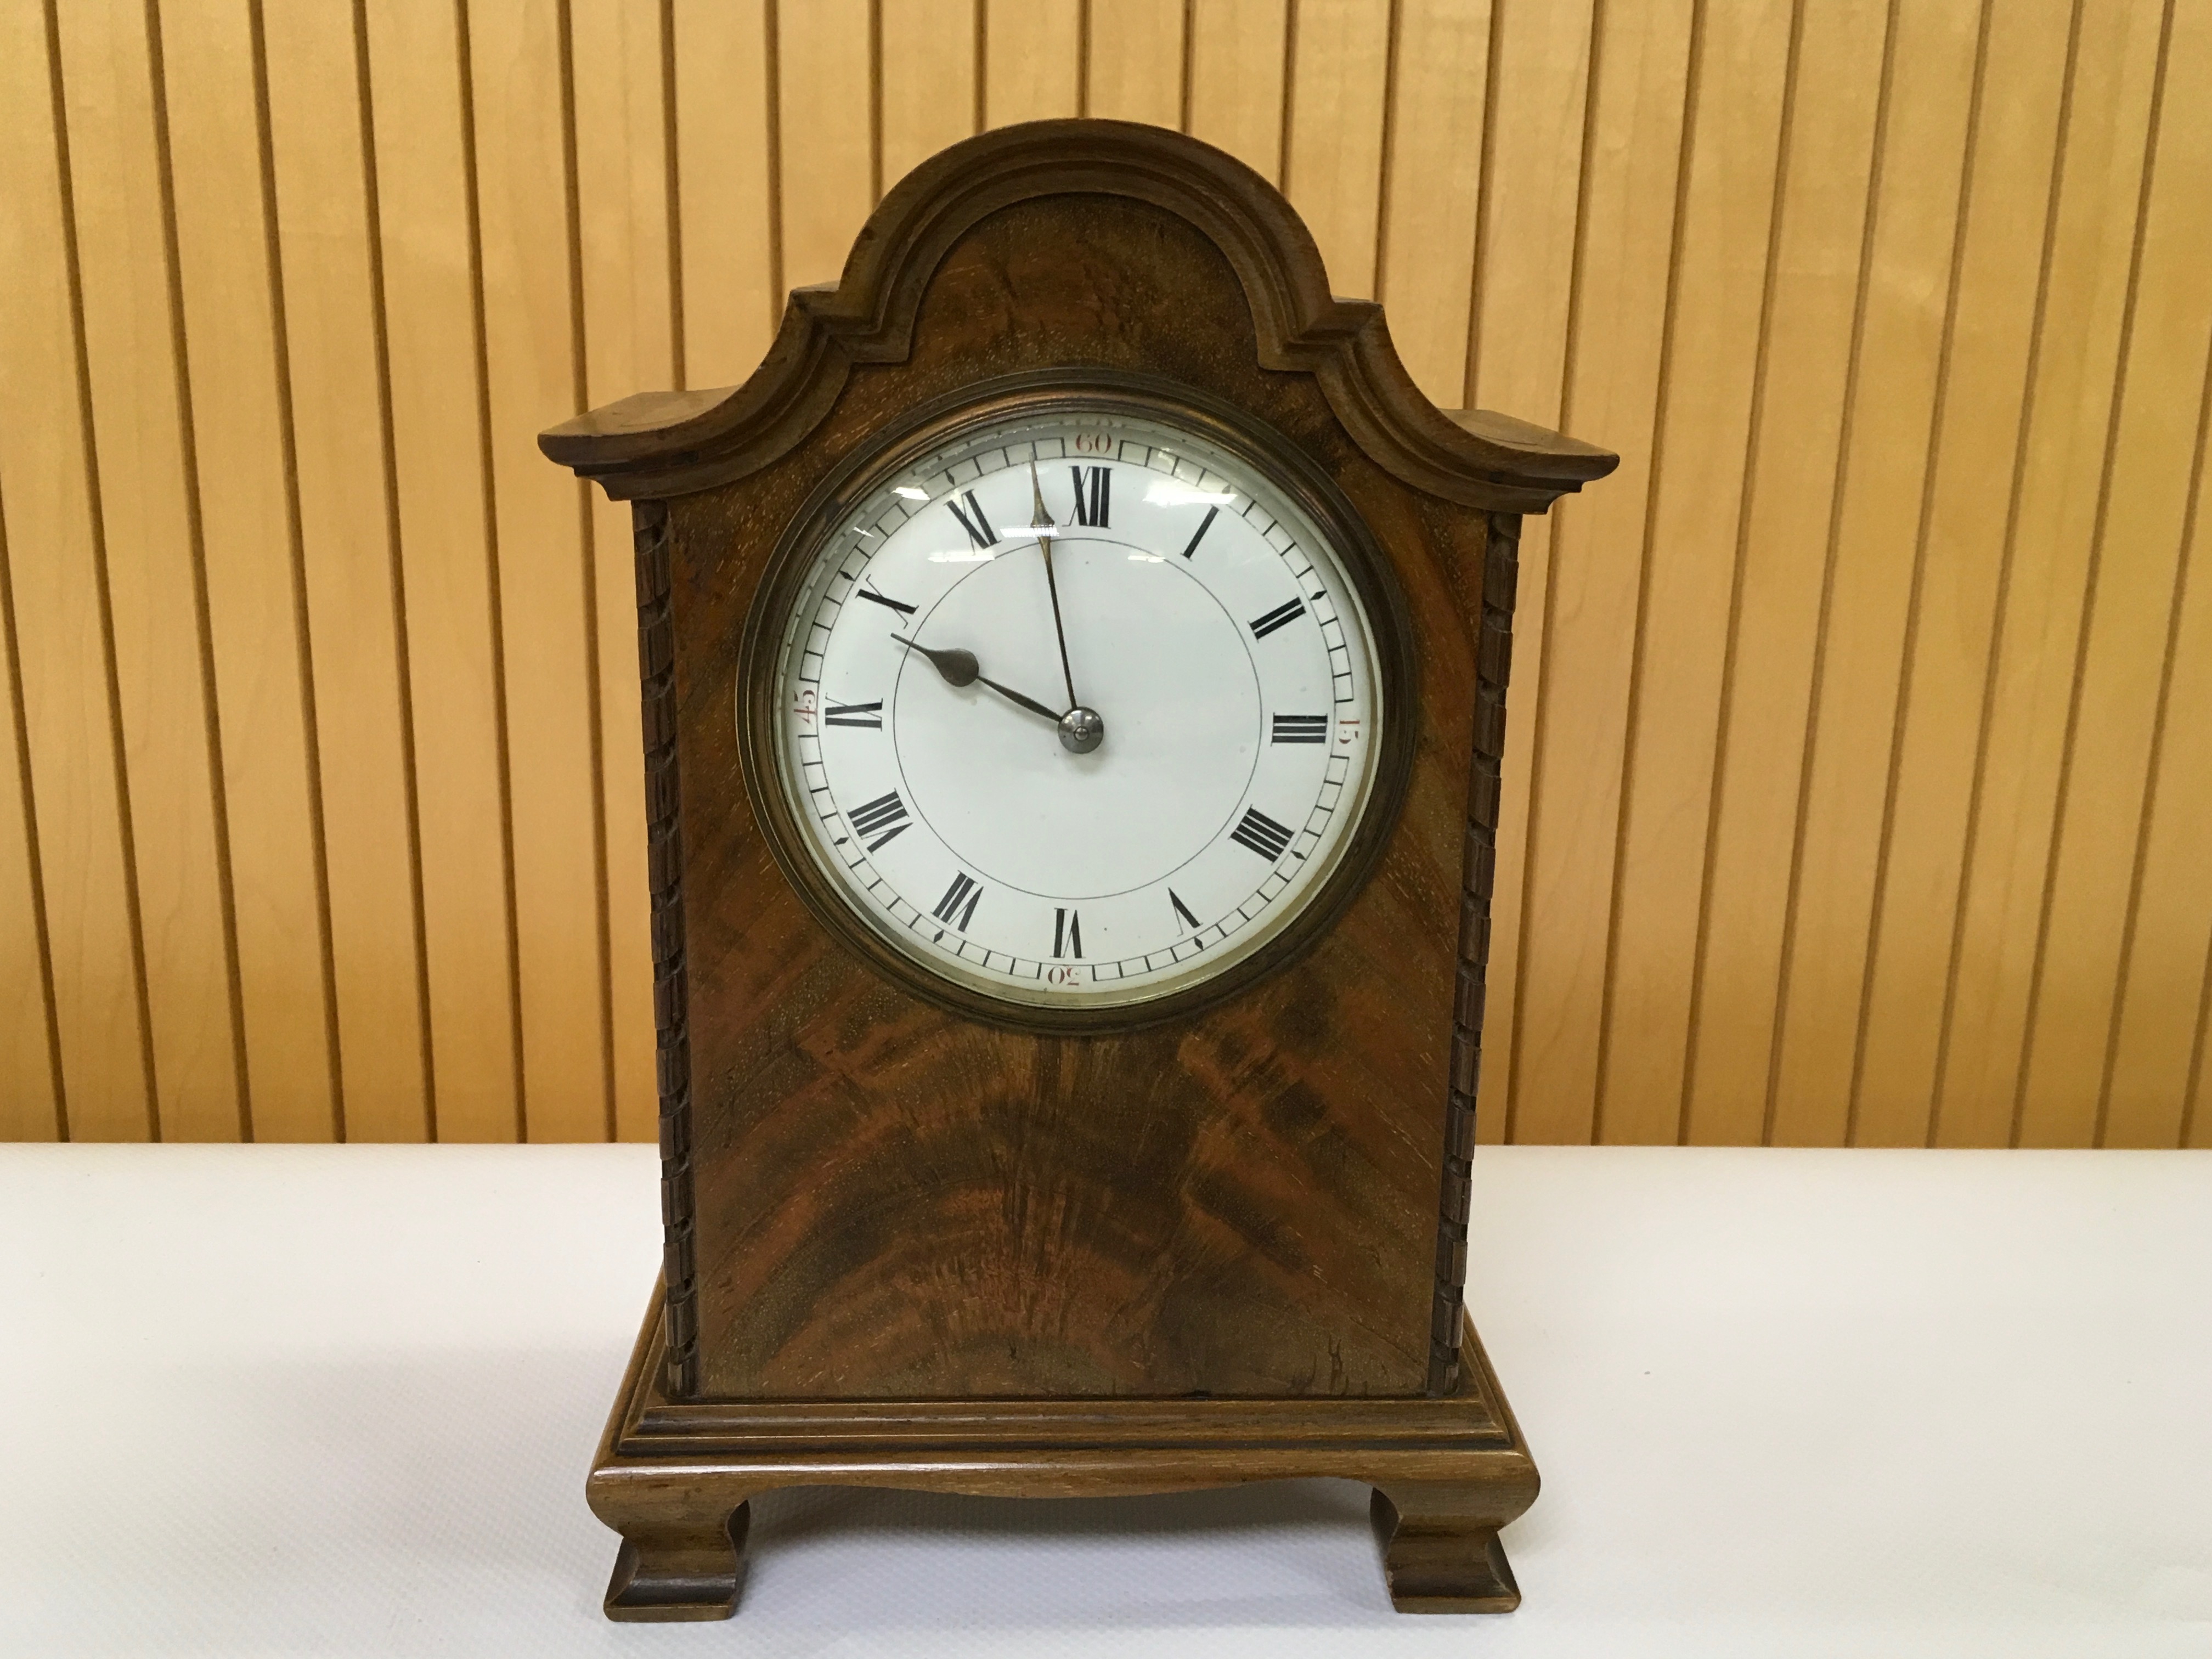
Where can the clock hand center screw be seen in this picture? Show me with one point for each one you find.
(1081, 731)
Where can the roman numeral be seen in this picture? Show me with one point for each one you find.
(1281, 616)
(868, 591)
(886, 814)
(871, 714)
(1182, 911)
(1262, 834)
(958, 907)
(979, 527)
(1098, 488)
(1204, 524)
(1066, 934)
(1289, 728)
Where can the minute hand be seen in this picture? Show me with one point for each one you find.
(1042, 523)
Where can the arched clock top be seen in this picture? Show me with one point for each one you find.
(669, 443)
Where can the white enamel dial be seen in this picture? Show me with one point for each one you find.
(1219, 663)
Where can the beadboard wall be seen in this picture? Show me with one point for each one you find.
(1860, 777)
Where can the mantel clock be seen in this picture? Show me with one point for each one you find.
(1074, 676)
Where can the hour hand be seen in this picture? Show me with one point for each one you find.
(958, 667)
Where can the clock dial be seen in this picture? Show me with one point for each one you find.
(1079, 708)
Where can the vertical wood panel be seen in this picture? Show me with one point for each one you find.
(2133, 588)
(547, 603)
(1630, 210)
(1788, 474)
(30, 1102)
(1516, 361)
(1424, 256)
(1990, 337)
(628, 341)
(730, 258)
(2163, 980)
(140, 430)
(243, 438)
(326, 256)
(1873, 537)
(1332, 172)
(927, 81)
(2076, 355)
(208, 85)
(1135, 60)
(1236, 49)
(1033, 67)
(427, 248)
(823, 77)
(1800, 351)
(46, 512)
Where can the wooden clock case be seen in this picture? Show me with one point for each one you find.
(912, 1242)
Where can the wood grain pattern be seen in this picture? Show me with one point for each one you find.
(143, 433)
(1337, 99)
(1433, 187)
(1134, 67)
(2096, 206)
(422, 127)
(355, 611)
(63, 629)
(2003, 208)
(1596, 588)
(822, 75)
(1824, 1001)
(2135, 581)
(731, 249)
(1823, 264)
(522, 65)
(927, 80)
(1787, 389)
(1034, 60)
(1874, 536)
(1237, 80)
(1518, 353)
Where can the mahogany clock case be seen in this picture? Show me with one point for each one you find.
(914, 1241)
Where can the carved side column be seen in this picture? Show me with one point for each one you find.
(1493, 662)
(665, 864)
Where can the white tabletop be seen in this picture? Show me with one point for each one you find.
(341, 1401)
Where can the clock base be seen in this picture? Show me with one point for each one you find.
(674, 1478)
